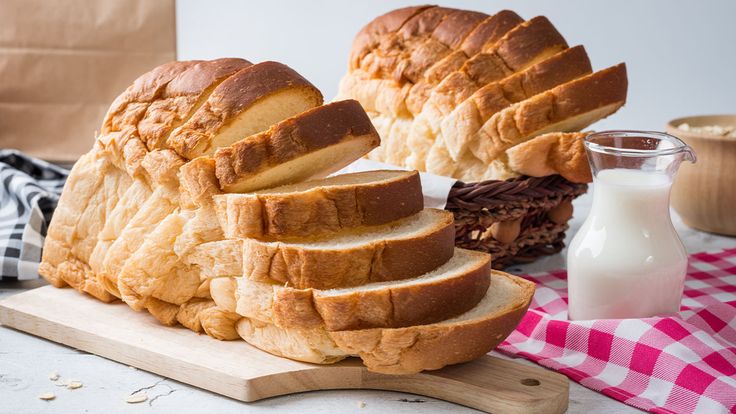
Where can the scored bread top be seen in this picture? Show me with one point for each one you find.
(161, 99)
(312, 144)
(182, 97)
(321, 206)
(130, 106)
(246, 103)
(369, 36)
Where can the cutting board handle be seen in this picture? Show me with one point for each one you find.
(489, 384)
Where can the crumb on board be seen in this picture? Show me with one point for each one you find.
(54, 376)
(73, 385)
(361, 404)
(137, 398)
(47, 396)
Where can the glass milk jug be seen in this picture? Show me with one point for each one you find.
(626, 261)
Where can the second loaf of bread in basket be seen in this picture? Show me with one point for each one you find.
(495, 101)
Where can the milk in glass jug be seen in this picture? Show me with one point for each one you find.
(627, 261)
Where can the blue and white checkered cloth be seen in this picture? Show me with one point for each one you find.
(29, 191)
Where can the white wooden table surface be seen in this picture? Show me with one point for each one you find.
(27, 361)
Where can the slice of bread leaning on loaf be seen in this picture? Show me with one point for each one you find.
(458, 105)
(204, 202)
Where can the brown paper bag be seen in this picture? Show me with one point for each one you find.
(63, 62)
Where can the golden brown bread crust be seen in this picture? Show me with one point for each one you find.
(501, 30)
(394, 306)
(524, 45)
(305, 133)
(182, 97)
(453, 30)
(489, 31)
(369, 35)
(369, 261)
(322, 209)
(128, 108)
(409, 350)
(553, 153)
(236, 94)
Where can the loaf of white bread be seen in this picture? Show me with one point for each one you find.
(204, 203)
(457, 92)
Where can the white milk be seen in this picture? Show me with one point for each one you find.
(626, 261)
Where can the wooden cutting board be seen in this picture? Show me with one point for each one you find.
(237, 370)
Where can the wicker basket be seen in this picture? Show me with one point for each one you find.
(515, 220)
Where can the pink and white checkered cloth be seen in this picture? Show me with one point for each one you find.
(685, 363)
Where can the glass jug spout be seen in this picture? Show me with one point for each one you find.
(646, 151)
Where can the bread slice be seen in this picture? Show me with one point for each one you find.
(553, 153)
(246, 103)
(408, 350)
(428, 347)
(312, 144)
(568, 107)
(451, 289)
(321, 206)
(83, 182)
(402, 249)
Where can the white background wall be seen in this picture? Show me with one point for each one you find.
(681, 55)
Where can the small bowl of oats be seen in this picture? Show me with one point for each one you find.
(704, 194)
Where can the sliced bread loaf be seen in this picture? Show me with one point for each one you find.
(402, 249)
(445, 292)
(321, 206)
(246, 103)
(312, 144)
